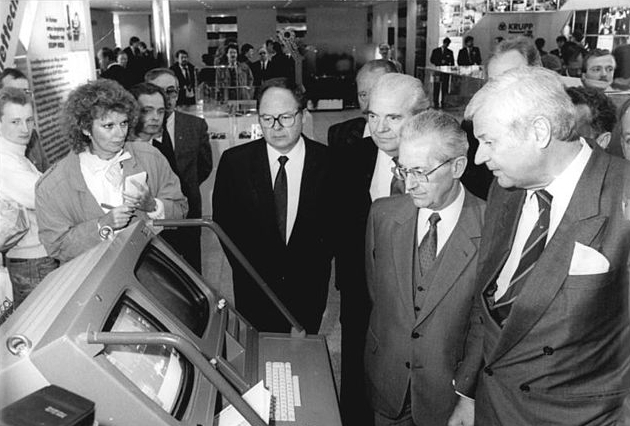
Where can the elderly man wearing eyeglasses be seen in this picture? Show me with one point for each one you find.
(272, 197)
(421, 251)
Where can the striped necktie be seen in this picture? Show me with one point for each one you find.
(531, 252)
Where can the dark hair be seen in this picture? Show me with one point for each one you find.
(156, 72)
(108, 54)
(91, 101)
(142, 44)
(283, 83)
(603, 112)
(11, 72)
(468, 38)
(133, 40)
(595, 53)
(540, 43)
(277, 47)
(245, 48)
(446, 40)
(269, 41)
(13, 95)
(561, 38)
(231, 46)
(180, 52)
(148, 89)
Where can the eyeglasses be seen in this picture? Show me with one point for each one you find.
(285, 120)
(402, 173)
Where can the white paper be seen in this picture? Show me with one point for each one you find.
(258, 397)
(139, 178)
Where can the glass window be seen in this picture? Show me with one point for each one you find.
(592, 21)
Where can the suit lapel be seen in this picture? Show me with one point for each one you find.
(306, 203)
(581, 222)
(262, 190)
(368, 153)
(458, 251)
(404, 244)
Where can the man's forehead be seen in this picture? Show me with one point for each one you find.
(15, 110)
(384, 102)
(601, 60)
(277, 98)
(153, 99)
(164, 81)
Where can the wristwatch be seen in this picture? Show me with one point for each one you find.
(105, 232)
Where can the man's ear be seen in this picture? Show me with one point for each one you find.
(603, 140)
(542, 131)
(459, 166)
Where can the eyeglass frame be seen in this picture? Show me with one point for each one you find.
(277, 119)
(171, 91)
(418, 175)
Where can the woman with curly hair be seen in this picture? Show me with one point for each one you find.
(104, 183)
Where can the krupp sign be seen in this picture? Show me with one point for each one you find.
(10, 17)
(517, 27)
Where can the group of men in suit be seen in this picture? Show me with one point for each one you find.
(512, 314)
(185, 73)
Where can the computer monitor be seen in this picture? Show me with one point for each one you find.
(135, 283)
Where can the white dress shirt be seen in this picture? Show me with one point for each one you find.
(382, 177)
(449, 216)
(561, 189)
(101, 179)
(294, 167)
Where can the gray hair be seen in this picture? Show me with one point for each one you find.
(408, 88)
(528, 92)
(376, 65)
(522, 45)
(452, 141)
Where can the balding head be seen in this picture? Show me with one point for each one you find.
(513, 53)
(394, 99)
(367, 77)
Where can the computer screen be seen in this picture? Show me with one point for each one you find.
(135, 283)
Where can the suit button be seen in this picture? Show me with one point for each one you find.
(488, 371)
(415, 335)
(407, 365)
(524, 387)
(420, 288)
(416, 308)
(547, 350)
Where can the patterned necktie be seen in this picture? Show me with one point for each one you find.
(531, 252)
(396, 186)
(427, 250)
(280, 197)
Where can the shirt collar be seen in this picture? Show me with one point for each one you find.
(366, 131)
(95, 165)
(449, 214)
(12, 148)
(562, 187)
(295, 152)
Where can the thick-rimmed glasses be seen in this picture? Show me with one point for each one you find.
(402, 173)
(285, 120)
(172, 91)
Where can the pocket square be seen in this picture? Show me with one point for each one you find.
(587, 261)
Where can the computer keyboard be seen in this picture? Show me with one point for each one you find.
(285, 390)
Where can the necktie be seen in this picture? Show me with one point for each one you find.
(396, 186)
(427, 250)
(280, 197)
(166, 148)
(186, 76)
(531, 252)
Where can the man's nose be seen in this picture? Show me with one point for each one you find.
(481, 156)
(382, 125)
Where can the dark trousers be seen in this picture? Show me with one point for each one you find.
(440, 85)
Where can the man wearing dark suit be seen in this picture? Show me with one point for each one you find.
(188, 142)
(271, 196)
(134, 61)
(363, 159)
(260, 68)
(281, 65)
(441, 56)
(185, 73)
(420, 255)
(112, 70)
(469, 54)
(550, 329)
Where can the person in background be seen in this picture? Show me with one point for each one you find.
(122, 59)
(549, 327)
(622, 58)
(27, 262)
(560, 40)
(273, 198)
(112, 70)
(624, 129)
(469, 54)
(184, 139)
(441, 56)
(185, 73)
(596, 115)
(351, 147)
(134, 65)
(11, 77)
(281, 66)
(421, 259)
(572, 58)
(152, 101)
(235, 78)
(598, 69)
(260, 68)
(384, 51)
(247, 54)
(98, 188)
